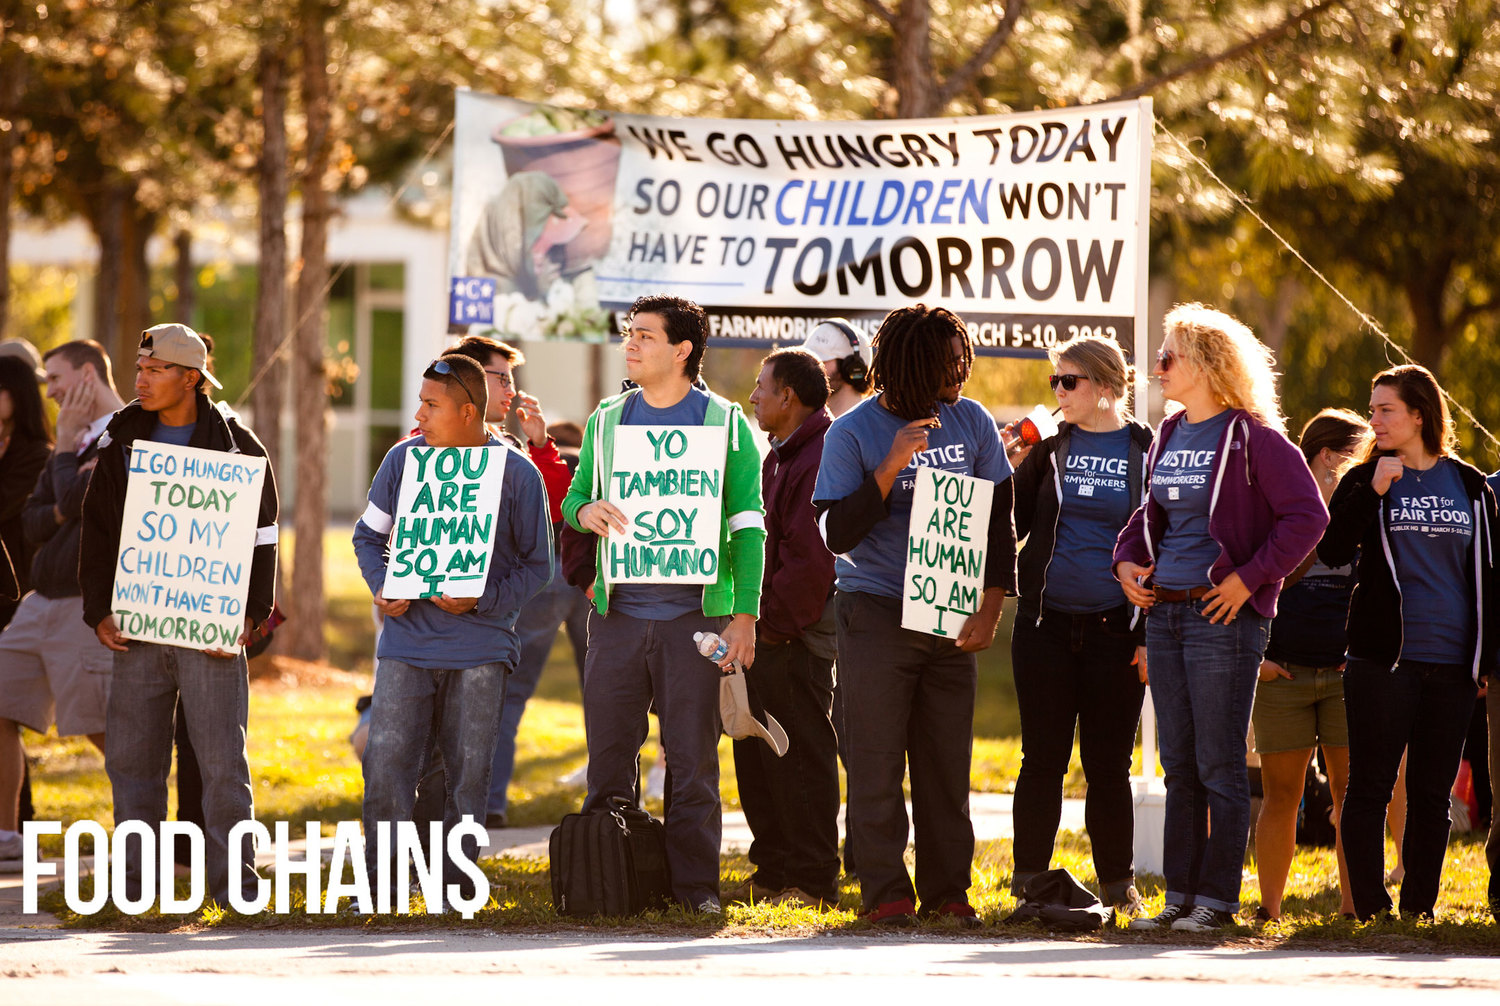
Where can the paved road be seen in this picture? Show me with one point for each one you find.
(53, 968)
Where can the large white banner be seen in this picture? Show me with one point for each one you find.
(1031, 226)
(946, 545)
(444, 530)
(669, 483)
(187, 536)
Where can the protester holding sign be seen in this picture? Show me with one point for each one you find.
(1076, 646)
(1232, 509)
(792, 802)
(454, 541)
(909, 695)
(1422, 630)
(681, 536)
(558, 603)
(149, 677)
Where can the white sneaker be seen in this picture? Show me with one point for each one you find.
(1161, 920)
(577, 777)
(1203, 919)
(10, 845)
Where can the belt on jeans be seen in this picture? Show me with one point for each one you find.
(1168, 594)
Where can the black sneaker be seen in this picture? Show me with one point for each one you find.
(1161, 920)
(1203, 919)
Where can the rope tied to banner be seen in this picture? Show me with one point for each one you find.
(333, 276)
(1365, 319)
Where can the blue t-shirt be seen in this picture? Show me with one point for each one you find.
(1312, 616)
(1182, 483)
(854, 446)
(1096, 503)
(1430, 522)
(660, 601)
(161, 433)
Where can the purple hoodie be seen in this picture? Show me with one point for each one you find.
(1265, 511)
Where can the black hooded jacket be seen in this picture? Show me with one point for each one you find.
(104, 505)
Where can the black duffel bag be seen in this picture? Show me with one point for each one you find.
(611, 861)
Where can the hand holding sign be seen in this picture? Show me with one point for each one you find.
(979, 628)
(602, 517)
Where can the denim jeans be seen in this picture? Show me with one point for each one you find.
(792, 803)
(1423, 709)
(1072, 671)
(908, 704)
(412, 705)
(1203, 685)
(633, 664)
(560, 604)
(149, 679)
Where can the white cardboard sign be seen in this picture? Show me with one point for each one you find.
(945, 551)
(445, 523)
(669, 483)
(187, 536)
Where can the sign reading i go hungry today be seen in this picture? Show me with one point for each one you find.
(187, 537)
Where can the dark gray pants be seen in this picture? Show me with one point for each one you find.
(632, 663)
(908, 703)
(792, 803)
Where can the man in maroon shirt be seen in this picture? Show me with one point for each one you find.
(792, 802)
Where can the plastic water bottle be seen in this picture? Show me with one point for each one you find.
(711, 645)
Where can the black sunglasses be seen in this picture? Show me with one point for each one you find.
(1165, 359)
(1068, 381)
(441, 366)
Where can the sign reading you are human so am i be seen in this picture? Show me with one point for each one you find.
(444, 531)
(187, 537)
(945, 551)
(668, 481)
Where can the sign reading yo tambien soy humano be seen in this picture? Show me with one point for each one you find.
(945, 551)
(444, 532)
(187, 536)
(668, 481)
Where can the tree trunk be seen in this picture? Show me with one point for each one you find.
(186, 278)
(268, 369)
(11, 70)
(916, 84)
(134, 310)
(109, 228)
(1424, 294)
(309, 380)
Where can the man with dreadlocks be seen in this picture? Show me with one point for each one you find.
(909, 696)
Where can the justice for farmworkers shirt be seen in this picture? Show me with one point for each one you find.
(1182, 483)
(1096, 503)
(661, 601)
(1431, 528)
(967, 443)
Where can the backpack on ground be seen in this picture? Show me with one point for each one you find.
(611, 861)
(1057, 900)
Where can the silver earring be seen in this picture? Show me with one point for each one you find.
(1103, 404)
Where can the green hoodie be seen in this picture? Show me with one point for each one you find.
(742, 533)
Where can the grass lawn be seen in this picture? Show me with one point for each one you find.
(303, 769)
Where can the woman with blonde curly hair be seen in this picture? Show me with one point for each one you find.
(1231, 509)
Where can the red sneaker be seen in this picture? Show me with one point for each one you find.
(894, 913)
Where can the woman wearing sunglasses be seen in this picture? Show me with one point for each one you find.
(1074, 645)
(1422, 630)
(1231, 509)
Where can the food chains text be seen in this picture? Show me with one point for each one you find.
(400, 862)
